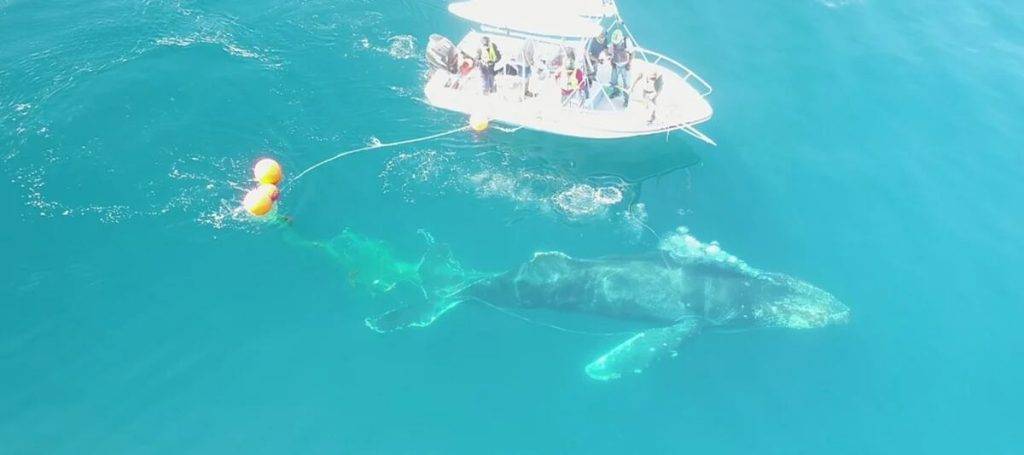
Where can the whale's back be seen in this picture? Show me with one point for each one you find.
(640, 288)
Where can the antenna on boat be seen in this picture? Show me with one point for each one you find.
(689, 129)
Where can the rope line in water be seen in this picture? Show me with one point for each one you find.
(572, 331)
(550, 326)
(377, 146)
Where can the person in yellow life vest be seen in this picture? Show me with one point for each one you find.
(487, 58)
(571, 81)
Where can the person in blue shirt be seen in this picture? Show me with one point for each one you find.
(621, 54)
(597, 48)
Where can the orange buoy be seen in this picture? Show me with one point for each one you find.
(479, 122)
(267, 170)
(258, 202)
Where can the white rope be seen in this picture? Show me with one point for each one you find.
(377, 146)
(572, 331)
(550, 326)
(657, 237)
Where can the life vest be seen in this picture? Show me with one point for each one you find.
(620, 54)
(570, 83)
(490, 54)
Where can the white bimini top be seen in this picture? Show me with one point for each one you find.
(562, 18)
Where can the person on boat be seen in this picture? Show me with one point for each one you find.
(527, 58)
(464, 66)
(621, 56)
(649, 86)
(487, 58)
(572, 81)
(597, 48)
(570, 66)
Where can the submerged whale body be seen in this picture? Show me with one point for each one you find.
(685, 288)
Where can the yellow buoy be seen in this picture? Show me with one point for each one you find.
(267, 171)
(271, 190)
(258, 202)
(479, 122)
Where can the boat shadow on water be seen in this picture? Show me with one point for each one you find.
(634, 160)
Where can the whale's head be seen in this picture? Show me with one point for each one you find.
(791, 303)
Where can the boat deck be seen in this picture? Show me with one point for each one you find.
(680, 104)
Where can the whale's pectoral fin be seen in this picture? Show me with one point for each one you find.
(420, 315)
(633, 355)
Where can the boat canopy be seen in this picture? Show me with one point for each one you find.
(560, 18)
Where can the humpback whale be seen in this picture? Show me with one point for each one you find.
(683, 289)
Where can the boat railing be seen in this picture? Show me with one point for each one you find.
(705, 89)
(655, 58)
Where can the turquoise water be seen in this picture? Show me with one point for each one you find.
(872, 148)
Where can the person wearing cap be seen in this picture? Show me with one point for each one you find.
(649, 85)
(621, 56)
(487, 57)
(597, 48)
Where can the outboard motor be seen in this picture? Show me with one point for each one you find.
(442, 54)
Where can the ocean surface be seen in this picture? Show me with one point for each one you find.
(873, 148)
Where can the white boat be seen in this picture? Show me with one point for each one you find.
(555, 27)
